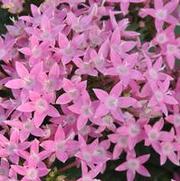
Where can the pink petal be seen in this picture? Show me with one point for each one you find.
(122, 167)
(53, 112)
(81, 122)
(15, 84)
(59, 135)
(48, 145)
(130, 175)
(143, 171)
(117, 89)
(19, 169)
(63, 99)
(26, 107)
(125, 102)
(21, 70)
(170, 100)
(62, 156)
(100, 94)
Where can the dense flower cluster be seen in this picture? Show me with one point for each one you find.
(83, 86)
(13, 6)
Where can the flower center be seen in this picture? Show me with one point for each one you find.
(11, 148)
(28, 82)
(28, 125)
(134, 130)
(70, 119)
(153, 74)
(32, 174)
(107, 119)
(60, 145)
(153, 135)
(48, 85)
(122, 70)
(36, 52)
(167, 148)
(161, 14)
(87, 111)
(161, 38)
(123, 141)
(177, 120)
(41, 105)
(171, 49)
(159, 95)
(133, 164)
(111, 102)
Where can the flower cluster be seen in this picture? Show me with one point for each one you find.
(82, 85)
(13, 6)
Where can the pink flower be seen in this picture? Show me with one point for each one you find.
(134, 164)
(162, 13)
(124, 68)
(9, 148)
(41, 107)
(84, 108)
(27, 79)
(29, 172)
(111, 103)
(60, 144)
(161, 96)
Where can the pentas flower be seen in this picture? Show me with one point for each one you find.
(121, 47)
(94, 153)
(60, 145)
(124, 68)
(104, 122)
(162, 13)
(164, 36)
(110, 103)
(9, 148)
(67, 49)
(35, 50)
(84, 108)
(128, 135)
(155, 135)
(4, 169)
(168, 151)
(155, 71)
(41, 107)
(35, 156)
(52, 81)
(171, 52)
(174, 119)
(124, 4)
(72, 90)
(134, 164)
(162, 96)
(25, 128)
(89, 175)
(26, 80)
(13, 6)
(29, 172)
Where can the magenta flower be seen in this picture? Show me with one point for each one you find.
(110, 103)
(124, 68)
(26, 79)
(72, 92)
(41, 107)
(134, 164)
(84, 109)
(9, 148)
(162, 13)
(29, 172)
(60, 144)
(162, 96)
